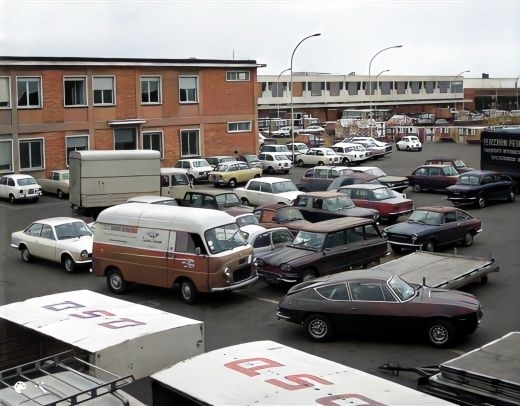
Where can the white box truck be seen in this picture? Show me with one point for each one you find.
(100, 179)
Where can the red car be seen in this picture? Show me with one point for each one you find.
(433, 177)
(390, 204)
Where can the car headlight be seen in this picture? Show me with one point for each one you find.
(258, 262)
(391, 185)
(227, 272)
(384, 233)
(414, 238)
(83, 255)
(286, 268)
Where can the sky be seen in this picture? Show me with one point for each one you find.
(438, 37)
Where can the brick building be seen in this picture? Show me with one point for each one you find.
(181, 107)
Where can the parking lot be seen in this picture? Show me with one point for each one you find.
(250, 314)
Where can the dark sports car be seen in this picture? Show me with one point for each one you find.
(430, 228)
(370, 301)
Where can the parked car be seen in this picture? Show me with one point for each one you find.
(56, 183)
(459, 164)
(376, 151)
(351, 153)
(269, 240)
(318, 156)
(282, 132)
(353, 178)
(372, 141)
(252, 160)
(16, 187)
(409, 143)
(397, 183)
(311, 129)
(247, 222)
(379, 302)
(280, 214)
(276, 148)
(175, 182)
(275, 162)
(168, 201)
(479, 187)
(231, 173)
(430, 228)
(215, 199)
(267, 190)
(320, 177)
(299, 147)
(433, 177)
(323, 248)
(197, 169)
(65, 240)
(319, 206)
(215, 160)
(390, 204)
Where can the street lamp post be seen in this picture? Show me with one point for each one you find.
(377, 77)
(292, 105)
(370, 82)
(278, 88)
(460, 74)
(516, 88)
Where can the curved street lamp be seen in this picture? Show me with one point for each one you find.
(377, 77)
(292, 106)
(370, 80)
(278, 88)
(459, 75)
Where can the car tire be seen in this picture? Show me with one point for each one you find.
(115, 281)
(270, 170)
(232, 183)
(12, 200)
(188, 291)
(26, 255)
(346, 162)
(308, 274)
(429, 246)
(68, 264)
(396, 248)
(60, 194)
(244, 201)
(299, 163)
(481, 201)
(416, 188)
(440, 333)
(468, 239)
(320, 163)
(408, 148)
(318, 327)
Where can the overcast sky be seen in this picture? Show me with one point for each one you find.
(439, 37)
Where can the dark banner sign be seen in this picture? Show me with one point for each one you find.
(500, 151)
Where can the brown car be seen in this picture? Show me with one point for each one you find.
(323, 248)
(279, 214)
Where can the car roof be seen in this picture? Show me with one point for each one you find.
(364, 186)
(437, 209)
(54, 221)
(433, 166)
(18, 176)
(271, 179)
(323, 194)
(364, 168)
(170, 171)
(481, 172)
(336, 224)
(268, 230)
(351, 275)
(60, 170)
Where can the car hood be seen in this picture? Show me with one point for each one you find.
(391, 179)
(356, 212)
(77, 244)
(461, 188)
(407, 228)
(290, 195)
(448, 297)
(286, 255)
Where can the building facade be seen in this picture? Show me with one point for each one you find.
(182, 108)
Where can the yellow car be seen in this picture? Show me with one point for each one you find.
(233, 172)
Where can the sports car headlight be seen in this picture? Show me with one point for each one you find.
(83, 255)
(258, 262)
(414, 238)
(286, 268)
(227, 272)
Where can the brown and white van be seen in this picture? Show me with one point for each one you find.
(197, 250)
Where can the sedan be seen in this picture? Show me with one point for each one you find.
(433, 177)
(16, 187)
(57, 183)
(65, 240)
(478, 187)
(266, 190)
(429, 228)
(379, 302)
(390, 204)
(397, 183)
(232, 173)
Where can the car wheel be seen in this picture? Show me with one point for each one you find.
(440, 333)
(318, 327)
(481, 201)
(308, 275)
(346, 161)
(468, 239)
(511, 196)
(320, 163)
(191, 179)
(270, 170)
(115, 281)
(68, 264)
(257, 176)
(232, 183)
(417, 188)
(60, 194)
(396, 248)
(26, 255)
(244, 201)
(299, 163)
(429, 246)
(408, 148)
(188, 291)
(12, 200)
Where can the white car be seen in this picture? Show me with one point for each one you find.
(268, 240)
(248, 224)
(299, 147)
(350, 152)
(311, 129)
(197, 169)
(17, 187)
(397, 183)
(65, 240)
(267, 190)
(319, 156)
(275, 162)
(409, 143)
(57, 183)
(388, 147)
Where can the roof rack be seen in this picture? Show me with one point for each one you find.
(62, 378)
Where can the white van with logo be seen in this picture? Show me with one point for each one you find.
(196, 250)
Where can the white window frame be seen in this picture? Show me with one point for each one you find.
(68, 137)
(113, 90)
(85, 90)
(196, 98)
(3, 148)
(42, 151)
(5, 88)
(161, 138)
(28, 79)
(184, 130)
(148, 79)
(237, 125)
(238, 76)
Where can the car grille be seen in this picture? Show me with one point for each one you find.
(388, 148)
(399, 238)
(242, 274)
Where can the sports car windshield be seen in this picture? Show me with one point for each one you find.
(425, 217)
(281, 187)
(72, 230)
(401, 288)
(468, 180)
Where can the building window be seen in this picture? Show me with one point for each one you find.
(103, 88)
(188, 91)
(125, 138)
(237, 75)
(190, 143)
(75, 143)
(5, 92)
(353, 88)
(154, 141)
(75, 91)
(443, 86)
(239, 126)
(29, 92)
(31, 154)
(315, 88)
(150, 89)
(6, 155)
(429, 86)
(277, 89)
(334, 88)
(401, 87)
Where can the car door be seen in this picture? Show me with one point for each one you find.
(3, 187)
(450, 229)
(265, 195)
(44, 244)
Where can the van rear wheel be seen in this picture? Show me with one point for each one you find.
(188, 291)
(115, 281)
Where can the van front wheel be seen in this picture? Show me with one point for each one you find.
(115, 281)
(188, 291)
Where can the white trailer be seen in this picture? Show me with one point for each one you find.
(268, 373)
(100, 179)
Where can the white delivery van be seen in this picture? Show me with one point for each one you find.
(175, 182)
(100, 179)
(196, 250)
(268, 373)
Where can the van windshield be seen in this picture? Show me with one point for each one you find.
(224, 238)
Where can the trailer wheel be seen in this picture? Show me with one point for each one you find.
(115, 281)
(188, 291)
(440, 333)
(318, 327)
